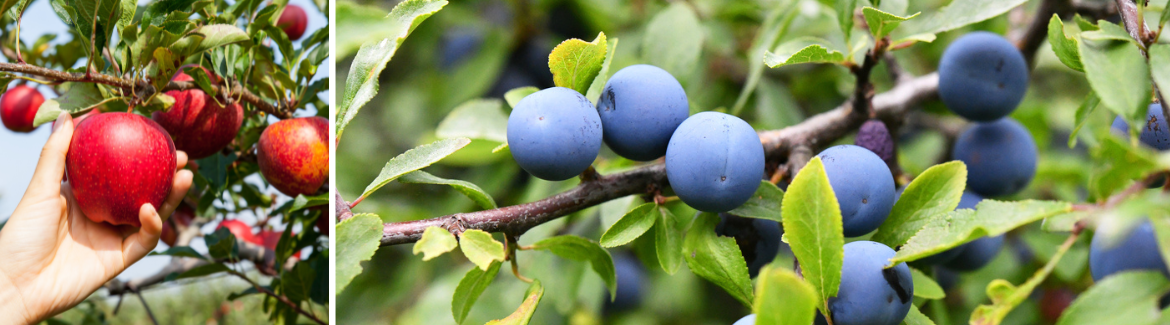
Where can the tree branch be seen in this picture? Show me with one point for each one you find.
(815, 132)
(144, 89)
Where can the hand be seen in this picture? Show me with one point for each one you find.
(53, 255)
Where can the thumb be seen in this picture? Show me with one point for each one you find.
(50, 169)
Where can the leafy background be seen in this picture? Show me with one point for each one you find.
(710, 58)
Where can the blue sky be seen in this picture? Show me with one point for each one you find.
(20, 150)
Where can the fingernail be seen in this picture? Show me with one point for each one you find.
(61, 120)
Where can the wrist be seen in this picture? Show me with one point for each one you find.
(12, 302)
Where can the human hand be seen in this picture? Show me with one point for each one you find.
(54, 256)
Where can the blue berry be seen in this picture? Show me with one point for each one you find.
(1000, 157)
(640, 108)
(714, 161)
(1138, 250)
(758, 239)
(1156, 132)
(863, 185)
(869, 293)
(554, 134)
(982, 77)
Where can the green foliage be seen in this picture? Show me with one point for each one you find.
(435, 241)
(481, 249)
(812, 222)
(932, 194)
(575, 63)
(357, 238)
(783, 298)
(717, 258)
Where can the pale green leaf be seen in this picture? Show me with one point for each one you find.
(882, 23)
(812, 225)
(673, 41)
(470, 288)
(765, 204)
(435, 241)
(932, 194)
(481, 249)
(783, 298)
(1129, 298)
(469, 189)
(575, 63)
(357, 239)
(581, 249)
(414, 159)
(925, 287)
(801, 51)
(523, 314)
(716, 258)
(631, 226)
(990, 218)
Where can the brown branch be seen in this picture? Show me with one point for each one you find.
(261, 257)
(280, 298)
(815, 132)
(144, 89)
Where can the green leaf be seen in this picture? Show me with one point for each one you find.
(783, 298)
(208, 37)
(414, 159)
(1065, 47)
(94, 21)
(594, 92)
(673, 41)
(357, 239)
(1120, 163)
(514, 96)
(297, 284)
(523, 314)
(181, 251)
(302, 202)
(765, 204)
(631, 226)
(480, 248)
(990, 218)
(1160, 68)
(1161, 225)
(801, 51)
(221, 245)
(882, 23)
(845, 16)
(1124, 298)
(469, 289)
(476, 119)
(1087, 107)
(1118, 73)
(1108, 31)
(925, 287)
(435, 241)
(472, 191)
(932, 194)
(198, 271)
(358, 24)
(667, 241)
(915, 317)
(581, 249)
(717, 259)
(78, 99)
(812, 224)
(958, 14)
(362, 83)
(575, 63)
(774, 28)
(1005, 296)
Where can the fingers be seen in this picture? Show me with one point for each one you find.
(182, 159)
(183, 179)
(137, 245)
(46, 180)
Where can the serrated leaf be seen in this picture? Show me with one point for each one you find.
(765, 204)
(1065, 47)
(221, 245)
(480, 248)
(514, 96)
(362, 83)
(469, 290)
(1160, 67)
(667, 241)
(575, 63)
(476, 119)
(925, 287)
(594, 92)
(882, 23)
(911, 39)
(800, 51)
(990, 218)
(469, 189)
(581, 249)
(435, 241)
(357, 239)
(208, 37)
(673, 41)
(915, 317)
(1005, 296)
(631, 226)
(812, 225)
(78, 99)
(1087, 107)
(717, 259)
(523, 314)
(932, 194)
(1124, 298)
(1119, 164)
(1108, 31)
(297, 284)
(958, 14)
(845, 16)
(783, 298)
(414, 159)
(1118, 73)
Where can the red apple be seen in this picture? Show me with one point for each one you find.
(182, 217)
(241, 230)
(19, 106)
(293, 21)
(116, 163)
(269, 239)
(293, 155)
(200, 126)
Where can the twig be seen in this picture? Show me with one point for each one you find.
(815, 132)
(147, 307)
(280, 298)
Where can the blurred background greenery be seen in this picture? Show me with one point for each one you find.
(480, 49)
